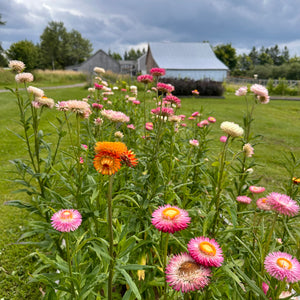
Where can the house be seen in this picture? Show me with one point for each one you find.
(128, 67)
(99, 59)
(186, 60)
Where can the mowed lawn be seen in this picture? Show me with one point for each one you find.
(278, 122)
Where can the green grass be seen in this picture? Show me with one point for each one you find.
(277, 121)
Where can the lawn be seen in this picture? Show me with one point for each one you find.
(277, 122)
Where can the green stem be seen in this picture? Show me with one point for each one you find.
(111, 238)
(165, 263)
(70, 266)
(270, 234)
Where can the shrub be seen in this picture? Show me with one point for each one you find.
(205, 87)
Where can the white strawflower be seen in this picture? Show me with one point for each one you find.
(35, 91)
(16, 65)
(99, 70)
(24, 77)
(119, 134)
(248, 149)
(45, 101)
(232, 129)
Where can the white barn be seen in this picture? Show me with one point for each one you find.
(186, 60)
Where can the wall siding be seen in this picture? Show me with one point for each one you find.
(216, 75)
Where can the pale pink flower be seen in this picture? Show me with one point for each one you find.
(98, 121)
(162, 111)
(149, 126)
(223, 139)
(173, 100)
(66, 220)
(282, 266)
(131, 126)
(175, 119)
(211, 120)
(164, 87)
(248, 150)
(123, 90)
(183, 125)
(16, 65)
(157, 72)
(24, 77)
(194, 143)
(35, 104)
(261, 92)
(256, 189)
(62, 106)
(105, 98)
(115, 116)
(203, 123)
(243, 199)
(44, 101)
(242, 91)
(195, 92)
(206, 251)
(185, 275)
(262, 203)
(81, 160)
(35, 91)
(145, 78)
(84, 146)
(80, 107)
(191, 118)
(283, 204)
(182, 117)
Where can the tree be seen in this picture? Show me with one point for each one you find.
(244, 62)
(25, 51)
(3, 60)
(114, 55)
(264, 58)
(60, 48)
(133, 55)
(227, 54)
(254, 56)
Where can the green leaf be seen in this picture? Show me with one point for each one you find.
(130, 282)
(136, 267)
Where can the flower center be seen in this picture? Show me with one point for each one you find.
(207, 248)
(170, 213)
(188, 267)
(264, 200)
(284, 263)
(107, 162)
(66, 214)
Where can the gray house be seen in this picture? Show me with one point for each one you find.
(99, 59)
(186, 60)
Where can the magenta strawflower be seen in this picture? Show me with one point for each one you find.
(262, 203)
(157, 72)
(66, 220)
(165, 87)
(98, 86)
(131, 126)
(173, 100)
(243, 199)
(283, 266)
(149, 126)
(256, 189)
(170, 219)
(206, 251)
(185, 275)
(145, 78)
(163, 111)
(203, 123)
(265, 287)
(211, 120)
(223, 139)
(283, 204)
(195, 114)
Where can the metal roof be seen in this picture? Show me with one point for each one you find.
(191, 56)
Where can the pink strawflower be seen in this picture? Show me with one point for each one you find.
(194, 143)
(223, 139)
(97, 106)
(82, 108)
(283, 204)
(182, 117)
(145, 78)
(66, 220)
(81, 160)
(265, 287)
(84, 146)
(98, 121)
(206, 251)
(195, 92)
(195, 114)
(183, 125)
(203, 123)
(261, 93)
(149, 126)
(282, 266)
(262, 203)
(185, 275)
(242, 91)
(136, 102)
(35, 104)
(98, 86)
(16, 65)
(173, 100)
(162, 111)
(170, 219)
(243, 199)
(24, 77)
(191, 118)
(115, 116)
(123, 90)
(131, 126)
(62, 106)
(164, 87)
(158, 72)
(211, 120)
(256, 189)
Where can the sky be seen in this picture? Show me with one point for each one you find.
(120, 25)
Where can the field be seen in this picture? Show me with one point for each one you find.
(278, 123)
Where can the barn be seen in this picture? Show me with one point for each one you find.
(99, 59)
(186, 60)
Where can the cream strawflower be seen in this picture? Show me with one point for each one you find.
(248, 150)
(99, 70)
(232, 129)
(45, 101)
(119, 134)
(24, 77)
(35, 91)
(16, 65)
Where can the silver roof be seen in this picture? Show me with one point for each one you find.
(191, 56)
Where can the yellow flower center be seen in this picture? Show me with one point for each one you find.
(66, 214)
(188, 267)
(170, 212)
(284, 263)
(264, 200)
(207, 248)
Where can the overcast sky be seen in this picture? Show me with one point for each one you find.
(119, 25)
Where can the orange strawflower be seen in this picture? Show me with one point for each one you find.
(107, 163)
(129, 159)
(117, 148)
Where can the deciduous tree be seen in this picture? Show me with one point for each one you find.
(227, 54)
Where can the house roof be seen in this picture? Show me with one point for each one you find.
(191, 56)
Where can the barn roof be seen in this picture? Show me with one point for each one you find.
(191, 56)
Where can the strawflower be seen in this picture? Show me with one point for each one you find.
(194, 143)
(243, 199)
(282, 266)
(206, 251)
(24, 77)
(44, 101)
(211, 120)
(149, 126)
(256, 189)
(145, 78)
(157, 72)
(115, 116)
(173, 100)
(248, 150)
(35, 91)
(16, 65)
(80, 107)
(262, 203)
(170, 219)
(195, 114)
(185, 275)
(164, 87)
(66, 220)
(261, 93)
(283, 204)
(232, 129)
(119, 134)
(223, 139)
(242, 91)
(203, 123)
(131, 126)
(195, 92)
(98, 86)
(99, 70)
(162, 111)
(129, 159)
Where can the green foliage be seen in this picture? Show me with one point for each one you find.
(227, 54)
(133, 54)
(24, 51)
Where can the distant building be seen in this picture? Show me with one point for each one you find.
(99, 59)
(186, 60)
(128, 67)
(141, 64)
